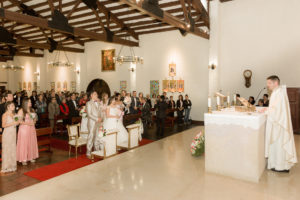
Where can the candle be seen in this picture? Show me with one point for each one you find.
(218, 100)
(209, 102)
(228, 99)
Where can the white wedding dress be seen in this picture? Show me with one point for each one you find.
(114, 123)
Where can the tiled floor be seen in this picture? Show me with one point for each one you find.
(161, 170)
(16, 181)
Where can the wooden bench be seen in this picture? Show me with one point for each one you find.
(44, 138)
(128, 119)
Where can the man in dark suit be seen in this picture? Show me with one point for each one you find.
(8, 97)
(171, 106)
(18, 100)
(161, 107)
(135, 103)
(73, 108)
(146, 113)
(33, 99)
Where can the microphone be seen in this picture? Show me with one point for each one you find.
(260, 93)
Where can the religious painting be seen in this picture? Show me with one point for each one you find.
(123, 85)
(58, 86)
(172, 69)
(173, 86)
(20, 86)
(108, 60)
(165, 86)
(73, 86)
(24, 86)
(52, 85)
(65, 86)
(35, 86)
(29, 86)
(180, 86)
(154, 88)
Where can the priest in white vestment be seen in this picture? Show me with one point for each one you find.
(280, 146)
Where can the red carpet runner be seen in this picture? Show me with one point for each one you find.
(56, 169)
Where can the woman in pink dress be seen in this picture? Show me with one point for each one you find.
(27, 148)
(9, 162)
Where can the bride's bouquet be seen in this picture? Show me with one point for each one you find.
(82, 112)
(198, 145)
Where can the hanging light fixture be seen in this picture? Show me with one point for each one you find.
(132, 58)
(10, 66)
(57, 63)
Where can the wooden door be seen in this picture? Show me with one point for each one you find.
(294, 99)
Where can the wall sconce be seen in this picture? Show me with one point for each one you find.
(212, 67)
(131, 69)
(37, 73)
(77, 71)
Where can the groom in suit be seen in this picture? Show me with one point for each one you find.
(93, 110)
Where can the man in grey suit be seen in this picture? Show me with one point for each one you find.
(93, 110)
(135, 103)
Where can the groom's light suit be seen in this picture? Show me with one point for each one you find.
(93, 110)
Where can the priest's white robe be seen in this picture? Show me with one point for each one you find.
(280, 146)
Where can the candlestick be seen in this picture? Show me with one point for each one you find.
(218, 101)
(209, 102)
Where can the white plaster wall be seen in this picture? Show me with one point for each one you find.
(261, 35)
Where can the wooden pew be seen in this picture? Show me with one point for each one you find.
(44, 138)
(127, 119)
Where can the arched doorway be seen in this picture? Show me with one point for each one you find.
(98, 85)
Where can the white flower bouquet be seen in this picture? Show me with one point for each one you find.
(83, 113)
(198, 145)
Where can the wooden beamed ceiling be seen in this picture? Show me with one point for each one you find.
(30, 24)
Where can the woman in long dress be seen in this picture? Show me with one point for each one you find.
(27, 148)
(114, 121)
(9, 161)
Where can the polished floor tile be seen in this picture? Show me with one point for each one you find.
(160, 170)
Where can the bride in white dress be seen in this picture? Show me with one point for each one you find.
(114, 121)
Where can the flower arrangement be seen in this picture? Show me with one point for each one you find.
(82, 112)
(198, 145)
(16, 118)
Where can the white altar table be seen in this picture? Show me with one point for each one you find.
(234, 144)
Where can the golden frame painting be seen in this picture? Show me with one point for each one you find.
(107, 59)
(180, 86)
(165, 85)
(173, 86)
(172, 69)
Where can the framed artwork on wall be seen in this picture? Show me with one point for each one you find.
(173, 86)
(180, 86)
(107, 60)
(166, 86)
(35, 86)
(52, 85)
(58, 86)
(123, 85)
(154, 87)
(65, 86)
(24, 86)
(172, 69)
(73, 86)
(29, 86)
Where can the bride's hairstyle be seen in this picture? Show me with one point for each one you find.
(111, 99)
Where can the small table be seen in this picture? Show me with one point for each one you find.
(234, 144)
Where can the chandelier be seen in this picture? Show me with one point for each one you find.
(57, 63)
(10, 66)
(132, 58)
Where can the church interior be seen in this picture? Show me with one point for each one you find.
(149, 99)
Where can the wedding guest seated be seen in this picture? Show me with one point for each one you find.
(251, 100)
(266, 100)
(53, 111)
(260, 103)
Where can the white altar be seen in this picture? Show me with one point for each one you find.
(234, 144)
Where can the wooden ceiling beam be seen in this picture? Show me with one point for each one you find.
(18, 53)
(167, 18)
(43, 23)
(197, 5)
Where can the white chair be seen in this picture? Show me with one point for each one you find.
(109, 145)
(133, 137)
(74, 138)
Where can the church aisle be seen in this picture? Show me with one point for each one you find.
(161, 170)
